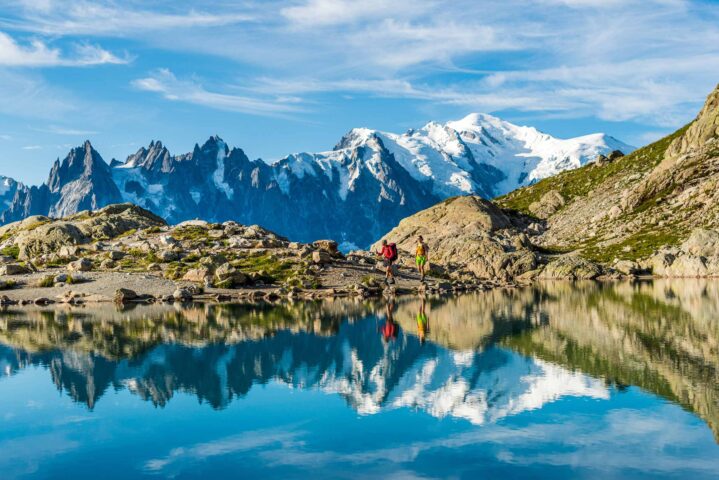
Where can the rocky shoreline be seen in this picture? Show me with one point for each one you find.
(124, 254)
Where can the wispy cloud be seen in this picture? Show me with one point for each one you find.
(81, 17)
(37, 53)
(59, 130)
(165, 83)
(32, 147)
(27, 95)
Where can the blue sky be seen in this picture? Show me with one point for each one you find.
(275, 77)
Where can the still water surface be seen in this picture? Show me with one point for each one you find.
(556, 381)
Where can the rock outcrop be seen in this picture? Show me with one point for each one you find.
(43, 236)
(466, 235)
(631, 207)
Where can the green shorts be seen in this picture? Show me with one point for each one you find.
(421, 260)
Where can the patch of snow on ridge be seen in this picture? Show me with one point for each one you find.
(218, 176)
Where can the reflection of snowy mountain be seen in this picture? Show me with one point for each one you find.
(371, 374)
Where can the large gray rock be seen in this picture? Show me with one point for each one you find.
(329, 246)
(13, 269)
(199, 274)
(465, 235)
(687, 266)
(571, 268)
(125, 295)
(321, 257)
(48, 238)
(81, 265)
(549, 204)
(227, 276)
(702, 242)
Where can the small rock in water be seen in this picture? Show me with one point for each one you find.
(124, 295)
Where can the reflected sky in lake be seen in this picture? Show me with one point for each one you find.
(556, 381)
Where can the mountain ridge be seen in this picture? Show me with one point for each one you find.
(355, 192)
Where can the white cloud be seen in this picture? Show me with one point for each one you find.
(29, 96)
(78, 17)
(315, 13)
(59, 130)
(165, 83)
(37, 54)
(32, 147)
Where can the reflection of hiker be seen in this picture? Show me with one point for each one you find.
(389, 328)
(422, 322)
(389, 256)
(422, 255)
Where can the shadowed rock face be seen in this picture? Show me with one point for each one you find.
(661, 336)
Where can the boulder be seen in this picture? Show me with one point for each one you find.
(702, 242)
(49, 238)
(182, 294)
(571, 267)
(329, 246)
(198, 274)
(81, 265)
(168, 240)
(124, 295)
(227, 276)
(465, 235)
(115, 255)
(660, 262)
(321, 257)
(107, 264)
(61, 278)
(67, 251)
(549, 204)
(627, 267)
(168, 255)
(13, 269)
(687, 266)
(239, 242)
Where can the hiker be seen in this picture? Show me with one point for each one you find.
(389, 256)
(421, 257)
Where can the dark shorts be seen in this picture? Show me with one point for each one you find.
(387, 262)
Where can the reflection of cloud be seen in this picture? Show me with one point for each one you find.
(244, 442)
(23, 456)
(618, 441)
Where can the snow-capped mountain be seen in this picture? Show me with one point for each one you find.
(354, 193)
(8, 187)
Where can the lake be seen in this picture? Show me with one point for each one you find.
(559, 380)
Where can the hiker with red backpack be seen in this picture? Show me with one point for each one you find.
(389, 256)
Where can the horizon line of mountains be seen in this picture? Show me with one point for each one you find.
(354, 193)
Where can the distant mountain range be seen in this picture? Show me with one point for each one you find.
(353, 193)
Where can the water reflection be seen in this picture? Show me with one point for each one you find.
(478, 357)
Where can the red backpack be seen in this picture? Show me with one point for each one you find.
(393, 251)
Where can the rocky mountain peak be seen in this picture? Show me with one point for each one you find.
(704, 128)
(355, 138)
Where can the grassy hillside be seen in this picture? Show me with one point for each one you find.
(582, 181)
